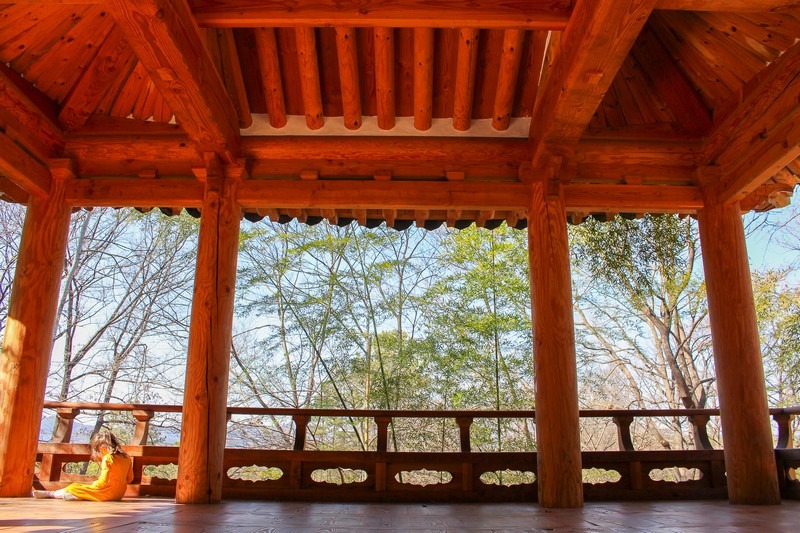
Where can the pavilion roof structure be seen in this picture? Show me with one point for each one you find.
(403, 111)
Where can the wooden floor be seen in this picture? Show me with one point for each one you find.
(158, 515)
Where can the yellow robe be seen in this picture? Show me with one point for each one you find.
(116, 471)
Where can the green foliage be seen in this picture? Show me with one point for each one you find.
(778, 311)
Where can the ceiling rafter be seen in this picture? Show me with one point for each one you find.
(23, 169)
(762, 134)
(577, 81)
(167, 42)
(27, 110)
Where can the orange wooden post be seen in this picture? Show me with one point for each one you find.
(203, 429)
(29, 337)
(557, 421)
(746, 432)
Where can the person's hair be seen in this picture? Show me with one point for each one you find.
(105, 437)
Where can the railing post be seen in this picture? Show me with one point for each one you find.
(382, 446)
(464, 423)
(140, 436)
(699, 423)
(50, 468)
(383, 432)
(296, 467)
(300, 423)
(142, 431)
(625, 444)
(624, 439)
(784, 421)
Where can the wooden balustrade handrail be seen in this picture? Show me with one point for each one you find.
(402, 413)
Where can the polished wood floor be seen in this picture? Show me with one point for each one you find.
(152, 515)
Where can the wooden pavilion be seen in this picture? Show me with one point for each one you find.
(533, 112)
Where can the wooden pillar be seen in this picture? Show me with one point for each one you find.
(557, 430)
(29, 337)
(746, 432)
(204, 422)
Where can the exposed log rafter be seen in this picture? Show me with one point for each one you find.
(577, 81)
(167, 42)
(762, 134)
(27, 110)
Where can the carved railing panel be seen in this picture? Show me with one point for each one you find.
(384, 475)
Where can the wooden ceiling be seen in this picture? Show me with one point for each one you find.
(404, 111)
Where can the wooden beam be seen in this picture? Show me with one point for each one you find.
(114, 59)
(633, 198)
(742, 6)
(231, 72)
(454, 150)
(466, 65)
(397, 195)
(134, 192)
(531, 14)
(593, 47)
(167, 42)
(22, 169)
(309, 77)
(11, 192)
(671, 84)
(355, 194)
(29, 111)
(384, 76)
(507, 79)
(271, 72)
(348, 76)
(762, 134)
(423, 78)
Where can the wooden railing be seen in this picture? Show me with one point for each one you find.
(383, 475)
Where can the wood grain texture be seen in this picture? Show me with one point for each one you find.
(423, 78)
(384, 77)
(232, 76)
(271, 71)
(29, 337)
(762, 134)
(578, 81)
(724, 5)
(749, 458)
(309, 77)
(27, 109)
(135, 192)
(466, 65)
(507, 79)
(532, 14)
(204, 421)
(558, 442)
(114, 61)
(22, 169)
(167, 42)
(359, 194)
(671, 84)
(348, 76)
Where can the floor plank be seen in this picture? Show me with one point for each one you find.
(154, 515)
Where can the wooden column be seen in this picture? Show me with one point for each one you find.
(29, 337)
(200, 461)
(746, 432)
(557, 432)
